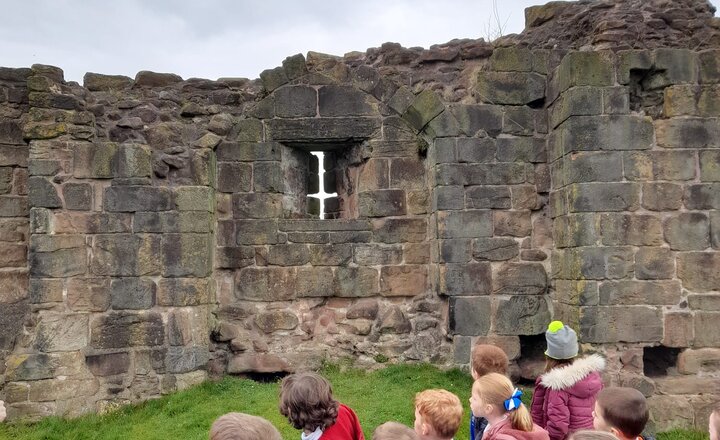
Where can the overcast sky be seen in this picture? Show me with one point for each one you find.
(223, 38)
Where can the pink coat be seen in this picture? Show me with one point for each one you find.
(564, 397)
(503, 431)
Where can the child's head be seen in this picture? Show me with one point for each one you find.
(715, 425)
(562, 345)
(307, 401)
(493, 396)
(394, 431)
(488, 358)
(239, 426)
(437, 414)
(622, 411)
(591, 435)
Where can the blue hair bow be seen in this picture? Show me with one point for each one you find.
(514, 402)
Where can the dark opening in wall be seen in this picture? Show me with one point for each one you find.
(532, 358)
(659, 361)
(266, 377)
(647, 93)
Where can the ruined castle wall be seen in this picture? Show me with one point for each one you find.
(634, 158)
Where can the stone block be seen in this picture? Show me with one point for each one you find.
(698, 271)
(12, 320)
(632, 60)
(295, 66)
(466, 279)
(613, 132)
(234, 177)
(577, 101)
(417, 253)
(265, 283)
(487, 197)
(13, 255)
(481, 150)
(194, 198)
(702, 196)
(14, 155)
(576, 292)
(382, 203)
(11, 133)
(57, 257)
(423, 109)
(132, 293)
(592, 197)
(373, 254)
(401, 230)
(183, 292)
(407, 173)
(186, 359)
(677, 66)
(495, 249)
(258, 363)
(707, 333)
(455, 250)
(274, 320)
(256, 232)
(78, 196)
(511, 59)
(330, 255)
(186, 255)
(248, 151)
(146, 78)
(653, 263)
(42, 193)
(96, 82)
(687, 385)
(623, 229)
(268, 177)
(137, 198)
(473, 118)
(694, 361)
(126, 255)
(61, 332)
(448, 197)
(469, 316)
(342, 100)
(679, 329)
(593, 167)
(356, 282)
(322, 129)
(28, 367)
(108, 364)
(586, 69)
(257, 205)
(405, 280)
(273, 78)
(688, 231)
(296, 101)
(627, 292)
(39, 290)
(88, 294)
(512, 223)
(511, 88)
(522, 315)
(130, 160)
(662, 196)
(521, 149)
(314, 282)
(619, 324)
(288, 255)
(520, 279)
(710, 166)
(690, 133)
(715, 229)
(465, 224)
(393, 320)
(444, 125)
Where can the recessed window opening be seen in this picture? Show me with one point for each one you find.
(321, 194)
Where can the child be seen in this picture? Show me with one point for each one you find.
(621, 411)
(495, 398)
(239, 426)
(485, 359)
(565, 394)
(715, 425)
(306, 400)
(437, 415)
(394, 431)
(591, 435)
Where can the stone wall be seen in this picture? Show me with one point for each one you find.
(174, 231)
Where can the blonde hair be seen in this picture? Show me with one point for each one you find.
(394, 431)
(441, 409)
(592, 435)
(240, 426)
(494, 389)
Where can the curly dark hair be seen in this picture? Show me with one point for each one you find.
(306, 400)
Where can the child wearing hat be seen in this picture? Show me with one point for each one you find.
(564, 395)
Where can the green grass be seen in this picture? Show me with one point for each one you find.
(376, 397)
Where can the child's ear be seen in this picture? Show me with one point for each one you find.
(474, 374)
(616, 432)
(426, 428)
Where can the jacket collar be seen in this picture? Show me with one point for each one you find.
(566, 377)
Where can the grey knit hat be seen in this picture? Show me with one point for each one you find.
(561, 340)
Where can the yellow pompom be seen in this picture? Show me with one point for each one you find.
(555, 326)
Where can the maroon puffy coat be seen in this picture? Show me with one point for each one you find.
(564, 397)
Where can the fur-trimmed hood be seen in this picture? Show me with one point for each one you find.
(586, 370)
